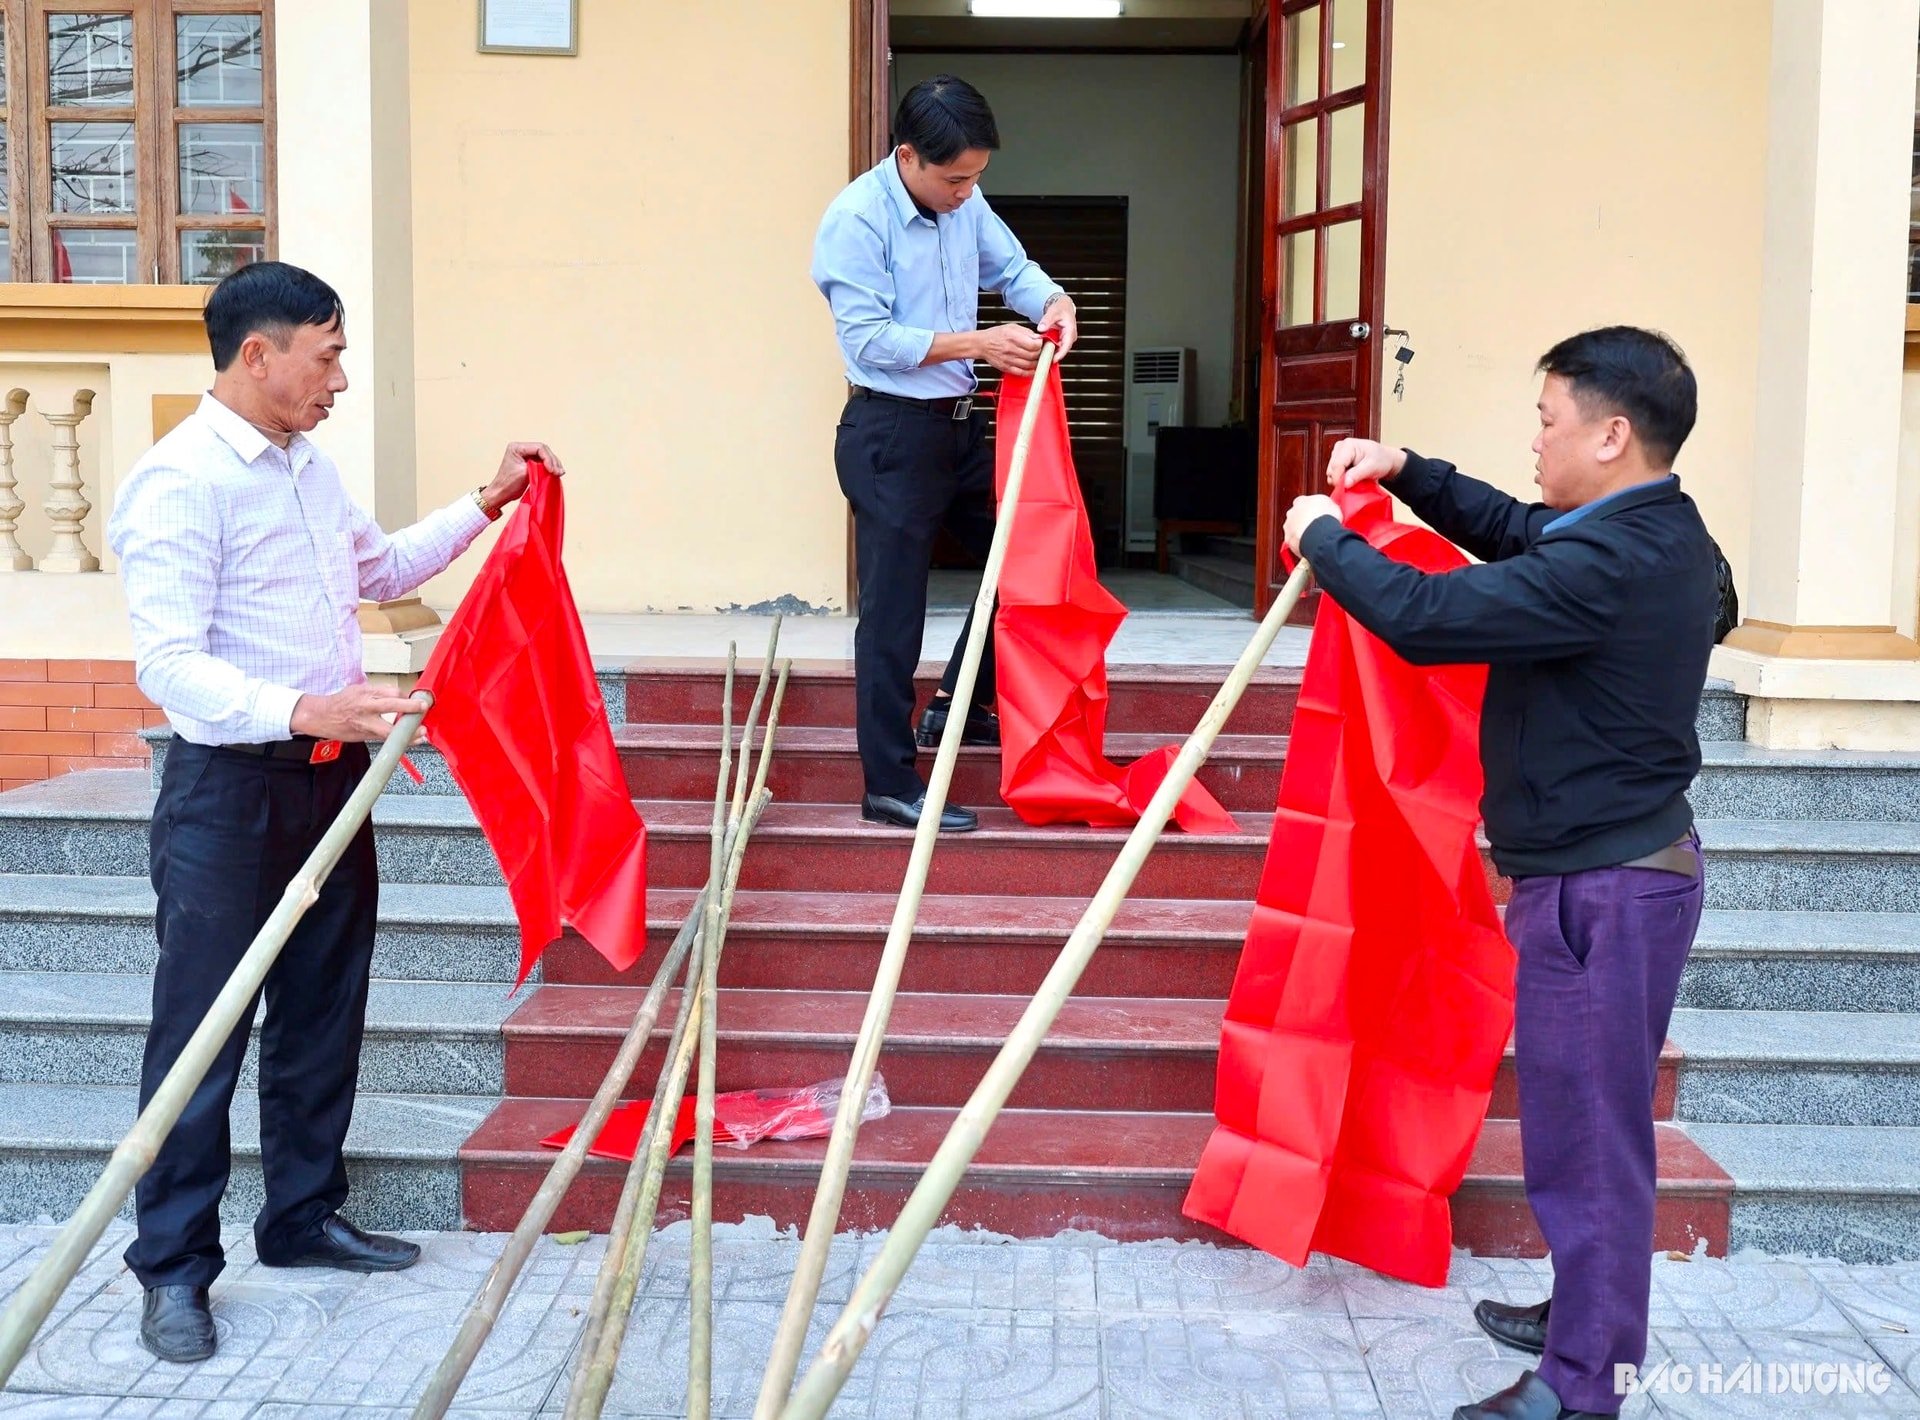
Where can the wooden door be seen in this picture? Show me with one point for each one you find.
(1323, 269)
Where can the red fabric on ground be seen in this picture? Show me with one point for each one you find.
(1375, 992)
(620, 1137)
(1050, 648)
(519, 717)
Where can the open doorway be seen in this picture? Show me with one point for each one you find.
(1246, 142)
(1124, 170)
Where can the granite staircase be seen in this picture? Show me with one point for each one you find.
(1789, 1100)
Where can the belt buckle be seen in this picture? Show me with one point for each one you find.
(962, 408)
(324, 752)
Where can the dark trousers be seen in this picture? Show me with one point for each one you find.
(229, 832)
(908, 472)
(1600, 960)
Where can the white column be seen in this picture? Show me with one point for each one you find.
(346, 214)
(1827, 578)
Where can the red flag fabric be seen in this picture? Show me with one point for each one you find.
(1374, 995)
(740, 1118)
(1050, 648)
(619, 1138)
(519, 717)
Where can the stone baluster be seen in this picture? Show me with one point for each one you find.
(13, 558)
(66, 504)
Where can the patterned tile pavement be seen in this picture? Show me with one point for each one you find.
(982, 1329)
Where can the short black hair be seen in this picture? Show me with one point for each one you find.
(270, 297)
(942, 118)
(1642, 374)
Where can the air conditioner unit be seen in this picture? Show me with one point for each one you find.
(1159, 391)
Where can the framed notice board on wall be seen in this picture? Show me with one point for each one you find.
(529, 26)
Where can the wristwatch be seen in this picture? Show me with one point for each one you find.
(480, 502)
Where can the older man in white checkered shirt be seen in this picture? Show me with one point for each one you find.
(245, 563)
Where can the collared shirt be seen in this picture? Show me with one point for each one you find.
(1574, 515)
(244, 566)
(896, 278)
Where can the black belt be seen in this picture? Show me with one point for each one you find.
(956, 407)
(1677, 857)
(304, 748)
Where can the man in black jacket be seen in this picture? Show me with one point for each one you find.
(1594, 612)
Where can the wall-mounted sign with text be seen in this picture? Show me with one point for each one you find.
(529, 26)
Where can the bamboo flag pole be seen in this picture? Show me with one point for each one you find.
(135, 1154)
(607, 1320)
(753, 719)
(923, 1207)
(478, 1322)
(600, 1347)
(633, 1222)
(486, 1306)
(838, 1163)
(665, 1108)
(700, 1280)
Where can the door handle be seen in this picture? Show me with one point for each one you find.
(1359, 330)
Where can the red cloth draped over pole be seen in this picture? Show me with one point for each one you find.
(1050, 649)
(1375, 992)
(518, 715)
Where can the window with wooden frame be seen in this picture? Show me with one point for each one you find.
(136, 139)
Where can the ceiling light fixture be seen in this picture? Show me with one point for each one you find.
(1046, 9)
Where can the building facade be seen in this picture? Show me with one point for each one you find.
(607, 249)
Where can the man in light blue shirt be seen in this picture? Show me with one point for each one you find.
(902, 256)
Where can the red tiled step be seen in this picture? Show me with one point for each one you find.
(815, 764)
(822, 941)
(1038, 1173)
(1147, 699)
(1104, 1053)
(830, 848)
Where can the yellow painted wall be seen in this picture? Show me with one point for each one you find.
(1559, 166)
(611, 255)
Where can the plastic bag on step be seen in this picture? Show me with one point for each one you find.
(748, 1116)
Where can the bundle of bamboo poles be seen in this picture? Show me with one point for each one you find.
(29, 1307)
(930, 1196)
(697, 947)
(838, 1164)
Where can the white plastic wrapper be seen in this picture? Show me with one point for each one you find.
(748, 1116)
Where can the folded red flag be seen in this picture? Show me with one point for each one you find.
(518, 715)
(1375, 992)
(740, 1118)
(1050, 648)
(620, 1136)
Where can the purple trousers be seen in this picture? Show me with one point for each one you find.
(1600, 959)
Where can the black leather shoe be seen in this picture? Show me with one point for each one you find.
(1523, 1328)
(982, 728)
(344, 1246)
(883, 808)
(1528, 1398)
(176, 1324)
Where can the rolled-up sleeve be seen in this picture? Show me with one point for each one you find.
(166, 533)
(850, 268)
(1006, 269)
